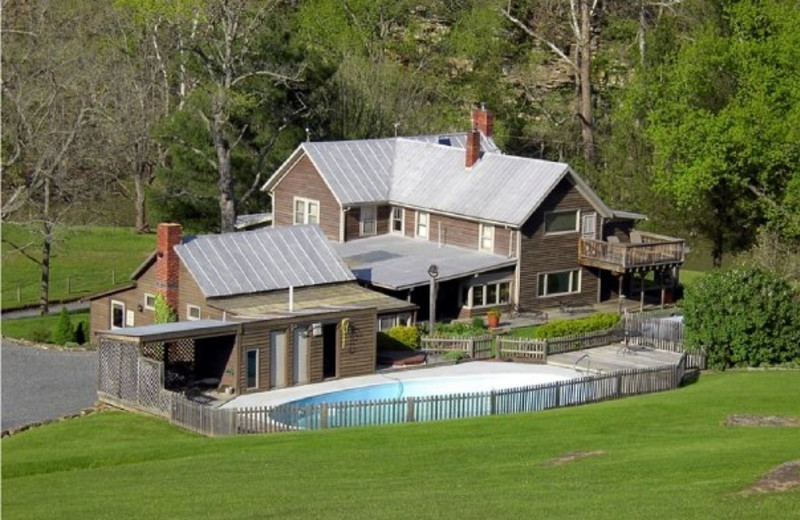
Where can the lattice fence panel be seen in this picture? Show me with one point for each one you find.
(154, 351)
(108, 368)
(179, 363)
(150, 383)
(128, 380)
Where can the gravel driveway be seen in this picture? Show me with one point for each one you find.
(40, 384)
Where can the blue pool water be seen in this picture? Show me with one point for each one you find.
(431, 399)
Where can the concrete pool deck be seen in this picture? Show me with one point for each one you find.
(473, 368)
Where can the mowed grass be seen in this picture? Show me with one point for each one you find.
(41, 328)
(667, 456)
(83, 259)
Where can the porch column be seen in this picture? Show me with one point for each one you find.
(619, 292)
(641, 293)
(663, 288)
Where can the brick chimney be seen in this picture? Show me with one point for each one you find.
(473, 147)
(483, 120)
(168, 265)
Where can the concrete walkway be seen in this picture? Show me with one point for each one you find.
(615, 357)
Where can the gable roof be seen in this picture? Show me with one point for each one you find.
(262, 260)
(422, 174)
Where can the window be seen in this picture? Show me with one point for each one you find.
(423, 219)
(306, 211)
(367, 221)
(486, 238)
(252, 368)
(150, 301)
(388, 321)
(117, 314)
(564, 282)
(487, 294)
(561, 222)
(192, 312)
(397, 220)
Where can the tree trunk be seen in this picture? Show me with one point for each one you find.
(227, 200)
(47, 227)
(140, 181)
(587, 119)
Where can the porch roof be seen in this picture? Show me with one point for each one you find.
(175, 330)
(395, 262)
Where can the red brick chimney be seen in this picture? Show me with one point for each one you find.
(168, 265)
(483, 120)
(473, 147)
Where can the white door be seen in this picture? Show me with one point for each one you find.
(589, 225)
(300, 355)
(277, 359)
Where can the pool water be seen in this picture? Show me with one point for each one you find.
(431, 399)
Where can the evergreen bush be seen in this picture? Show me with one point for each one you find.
(399, 338)
(65, 331)
(743, 317)
(163, 313)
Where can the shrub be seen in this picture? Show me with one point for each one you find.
(399, 338)
(80, 333)
(742, 317)
(459, 328)
(477, 323)
(40, 334)
(163, 313)
(65, 331)
(455, 355)
(559, 328)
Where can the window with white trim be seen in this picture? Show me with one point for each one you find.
(306, 211)
(486, 238)
(423, 223)
(558, 283)
(117, 314)
(150, 301)
(192, 312)
(556, 222)
(398, 221)
(367, 224)
(489, 294)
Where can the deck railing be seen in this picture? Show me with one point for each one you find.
(654, 250)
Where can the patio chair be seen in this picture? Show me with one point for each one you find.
(636, 237)
(612, 239)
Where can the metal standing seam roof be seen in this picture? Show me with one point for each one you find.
(262, 260)
(424, 174)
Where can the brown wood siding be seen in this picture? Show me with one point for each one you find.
(352, 228)
(303, 180)
(410, 217)
(454, 232)
(356, 358)
(100, 310)
(356, 354)
(189, 293)
(542, 253)
(502, 238)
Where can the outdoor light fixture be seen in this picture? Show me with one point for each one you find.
(433, 271)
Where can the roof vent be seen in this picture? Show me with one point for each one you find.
(445, 140)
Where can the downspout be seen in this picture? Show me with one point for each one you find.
(517, 274)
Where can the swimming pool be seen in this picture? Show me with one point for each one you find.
(424, 399)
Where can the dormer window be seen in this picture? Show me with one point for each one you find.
(367, 224)
(306, 211)
(486, 238)
(397, 220)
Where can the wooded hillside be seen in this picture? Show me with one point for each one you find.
(135, 111)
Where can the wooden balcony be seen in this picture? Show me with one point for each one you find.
(652, 252)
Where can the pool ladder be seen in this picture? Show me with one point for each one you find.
(588, 363)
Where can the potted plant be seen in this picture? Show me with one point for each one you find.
(493, 318)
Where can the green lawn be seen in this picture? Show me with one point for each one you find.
(667, 456)
(85, 260)
(41, 328)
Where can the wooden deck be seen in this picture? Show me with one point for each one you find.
(614, 357)
(654, 251)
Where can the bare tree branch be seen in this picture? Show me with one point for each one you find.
(558, 52)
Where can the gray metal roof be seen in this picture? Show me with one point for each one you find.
(424, 174)
(499, 188)
(396, 262)
(458, 140)
(262, 260)
(147, 332)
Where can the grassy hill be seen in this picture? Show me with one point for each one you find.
(664, 456)
(85, 260)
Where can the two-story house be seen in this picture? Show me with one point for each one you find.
(501, 230)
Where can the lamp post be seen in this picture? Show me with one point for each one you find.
(433, 272)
